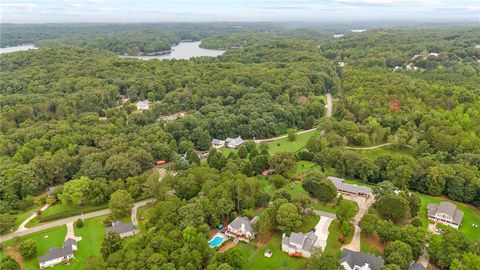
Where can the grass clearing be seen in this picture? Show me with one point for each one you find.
(373, 154)
(284, 145)
(304, 166)
(471, 215)
(334, 246)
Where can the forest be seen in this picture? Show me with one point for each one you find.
(68, 116)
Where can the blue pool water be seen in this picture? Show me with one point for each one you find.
(216, 241)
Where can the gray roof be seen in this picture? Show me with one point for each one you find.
(69, 242)
(416, 266)
(305, 240)
(217, 141)
(120, 227)
(353, 258)
(446, 208)
(234, 142)
(341, 185)
(237, 224)
(55, 253)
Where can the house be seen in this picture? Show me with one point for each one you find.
(143, 105)
(433, 54)
(56, 255)
(268, 172)
(161, 162)
(242, 228)
(234, 143)
(216, 143)
(338, 36)
(299, 244)
(358, 30)
(341, 64)
(353, 260)
(445, 213)
(123, 229)
(349, 189)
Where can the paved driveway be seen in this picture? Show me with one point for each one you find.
(321, 231)
(363, 205)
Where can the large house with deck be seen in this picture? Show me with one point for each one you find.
(299, 244)
(445, 213)
(242, 228)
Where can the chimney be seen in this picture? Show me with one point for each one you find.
(242, 227)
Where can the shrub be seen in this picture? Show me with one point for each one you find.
(79, 223)
(28, 248)
(278, 181)
(416, 222)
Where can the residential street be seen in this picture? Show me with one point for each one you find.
(65, 221)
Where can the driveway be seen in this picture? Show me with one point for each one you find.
(329, 104)
(363, 205)
(22, 226)
(321, 231)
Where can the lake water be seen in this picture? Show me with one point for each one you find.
(184, 50)
(17, 48)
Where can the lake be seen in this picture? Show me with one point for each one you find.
(17, 48)
(184, 50)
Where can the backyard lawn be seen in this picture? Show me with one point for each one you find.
(471, 215)
(279, 260)
(303, 166)
(44, 239)
(334, 246)
(295, 189)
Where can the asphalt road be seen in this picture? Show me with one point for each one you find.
(64, 221)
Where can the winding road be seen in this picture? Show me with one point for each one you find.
(64, 221)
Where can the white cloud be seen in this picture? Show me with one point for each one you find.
(27, 6)
(96, 1)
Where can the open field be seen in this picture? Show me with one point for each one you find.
(471, 215)
(284, 145)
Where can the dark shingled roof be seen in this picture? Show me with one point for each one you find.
(120, 227)
(353, 258)
(69, 242)
(55, 253)
(341, 185)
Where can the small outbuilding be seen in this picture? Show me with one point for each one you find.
(268, 253)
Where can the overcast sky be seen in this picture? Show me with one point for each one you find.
(41, 11)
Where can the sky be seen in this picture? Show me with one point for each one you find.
(69, 11)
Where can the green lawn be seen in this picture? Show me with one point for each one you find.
(45, 240)
(308, 224)
(332, 208)
(284, 145)
(279, 260)
(295, 189)
(92, 233)
(471, 215)
(303, 166)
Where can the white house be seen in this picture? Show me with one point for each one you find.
(352, 260)
(56, 256)
(123, 229)
(445, 213)
(234, 143)
(338, 36)
(143, 105)
(299, 244)
(216, 143)
(242, 228)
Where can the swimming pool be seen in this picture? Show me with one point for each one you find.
(216, 241)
